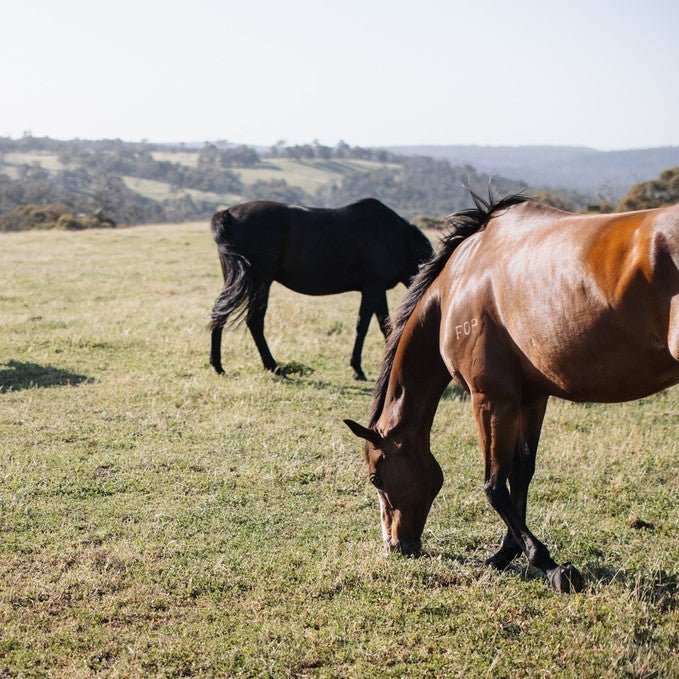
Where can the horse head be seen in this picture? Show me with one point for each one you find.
(407, 481)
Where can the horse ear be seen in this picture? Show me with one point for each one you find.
(363, 432)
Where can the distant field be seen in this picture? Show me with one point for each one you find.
(310, 175)
(188, 158)
(162, 191)
(49, 161)
(156, 519)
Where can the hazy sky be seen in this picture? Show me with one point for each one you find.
(597, 73)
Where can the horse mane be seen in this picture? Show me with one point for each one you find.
(459, 226)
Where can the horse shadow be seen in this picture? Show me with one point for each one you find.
(454, 392)
(658, 588)
(350, 388)
(18, 375)
(293, 368)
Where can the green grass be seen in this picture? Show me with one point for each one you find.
(158, 520)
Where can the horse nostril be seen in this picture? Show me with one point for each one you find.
(375, 480)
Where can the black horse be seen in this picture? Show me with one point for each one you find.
(316, 251)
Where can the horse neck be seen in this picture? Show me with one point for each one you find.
(418, 377)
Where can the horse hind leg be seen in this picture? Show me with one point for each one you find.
(216, 350)
(498, 427)
(255, 322)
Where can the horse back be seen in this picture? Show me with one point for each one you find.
(322, 251)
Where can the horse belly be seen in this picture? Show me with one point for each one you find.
(602, 362)
(318, 276)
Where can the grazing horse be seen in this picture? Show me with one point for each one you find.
(522, 302)
(364, 246)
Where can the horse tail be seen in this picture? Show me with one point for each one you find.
(239, 291)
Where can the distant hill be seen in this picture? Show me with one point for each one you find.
(130, 183)
(577, 168)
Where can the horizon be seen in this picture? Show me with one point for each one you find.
(599, 76)
(257, 145)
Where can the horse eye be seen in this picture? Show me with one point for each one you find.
(375, 480)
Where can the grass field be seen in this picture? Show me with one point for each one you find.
(158, 520)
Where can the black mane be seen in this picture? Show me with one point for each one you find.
(460, 225)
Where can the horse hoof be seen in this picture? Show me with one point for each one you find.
(501, 560)
(360, 377)
(565, 579)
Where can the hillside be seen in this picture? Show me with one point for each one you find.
(132, 183)
(577, 168)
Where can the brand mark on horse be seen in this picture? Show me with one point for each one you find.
(466, 328)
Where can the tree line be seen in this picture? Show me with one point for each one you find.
(90, 188)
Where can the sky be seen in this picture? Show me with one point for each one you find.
(370, 72)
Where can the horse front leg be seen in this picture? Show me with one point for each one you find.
(369, 304)
(498, 428)
(523, 467)
(382, 313)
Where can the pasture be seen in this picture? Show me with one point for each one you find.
(156, 519)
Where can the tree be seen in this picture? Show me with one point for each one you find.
(556, 200)
(653, 193)
(279, 190)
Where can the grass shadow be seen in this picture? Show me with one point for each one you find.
(293, 368)
(454, 392)
(446, 555)
(17, 375)
(659, 588)
(357, 388)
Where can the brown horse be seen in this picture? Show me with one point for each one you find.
(522, 302)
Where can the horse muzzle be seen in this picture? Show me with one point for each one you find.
(411, 548)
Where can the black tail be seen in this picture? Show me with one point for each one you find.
(240, 292)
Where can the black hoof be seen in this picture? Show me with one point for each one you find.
(501, 559)
(218, 369)
(360, 376)
(565, 579)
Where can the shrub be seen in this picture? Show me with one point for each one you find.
(51, 216)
